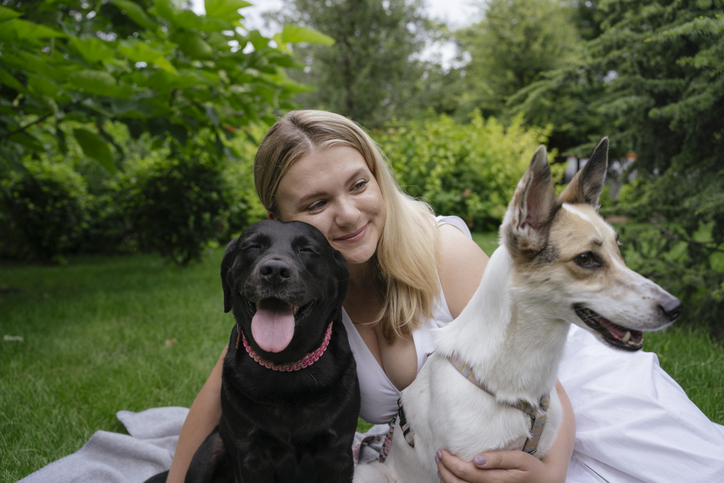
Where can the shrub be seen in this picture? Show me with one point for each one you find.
(45, 211)
(470, 170)
(176, 204)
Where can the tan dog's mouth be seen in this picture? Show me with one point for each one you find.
(615, 335)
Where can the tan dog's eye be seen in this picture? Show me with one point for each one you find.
(586, 260)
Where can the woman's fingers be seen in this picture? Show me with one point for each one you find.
(498, 467)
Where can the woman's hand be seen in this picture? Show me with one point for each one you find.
(516, 466)
(499, 467)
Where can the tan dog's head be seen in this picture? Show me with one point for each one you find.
(567, 261)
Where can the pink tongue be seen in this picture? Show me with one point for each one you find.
(273, 326)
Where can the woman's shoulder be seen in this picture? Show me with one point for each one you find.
(461, 267)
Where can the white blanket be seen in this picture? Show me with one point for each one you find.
(634, 423)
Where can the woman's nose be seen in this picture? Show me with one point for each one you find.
(347, 212)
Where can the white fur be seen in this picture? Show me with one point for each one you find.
(573, 210)
(516, 360)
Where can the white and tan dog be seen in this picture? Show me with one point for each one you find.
(559, 263)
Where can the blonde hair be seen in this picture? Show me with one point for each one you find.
(406, 258)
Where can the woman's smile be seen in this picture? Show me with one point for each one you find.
(353, 237)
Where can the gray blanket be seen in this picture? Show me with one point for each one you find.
(147, 449)
(121, 458)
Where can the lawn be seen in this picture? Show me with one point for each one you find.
(101, 334)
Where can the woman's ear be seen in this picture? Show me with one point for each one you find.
(271, 215)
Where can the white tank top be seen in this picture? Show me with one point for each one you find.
(379, 395)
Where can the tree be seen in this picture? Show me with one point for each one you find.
(373, 71)
(516, 41)
(659, 89)
(73, 71)
(146, 64)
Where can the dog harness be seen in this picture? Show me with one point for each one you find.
(537, 413)
(406, 431)
(303, 363)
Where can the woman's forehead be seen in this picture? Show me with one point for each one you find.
(335, 159)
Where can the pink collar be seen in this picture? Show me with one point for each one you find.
(303, 363)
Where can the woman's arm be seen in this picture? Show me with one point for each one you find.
(517, 466)
(203, 417)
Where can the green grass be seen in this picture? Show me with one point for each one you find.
(102, 334)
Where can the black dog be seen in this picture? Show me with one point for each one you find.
(290, 395)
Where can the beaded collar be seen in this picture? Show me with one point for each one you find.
(303, 363)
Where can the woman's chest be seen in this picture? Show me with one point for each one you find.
(398, 358)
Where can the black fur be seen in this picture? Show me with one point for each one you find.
(284, 426)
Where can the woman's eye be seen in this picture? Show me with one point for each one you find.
(360, 184)
(316, 206)
(586, 260)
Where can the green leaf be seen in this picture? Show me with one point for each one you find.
(24, 30)
(187, 20)
(7, 79)
(257, 40)
(60, 136)
(139, 51)
(8, 14)
(225, 9)
(93, 50)
(163, 9)
(296, 34)
(93, 81)
(135, 12)
(42, 85)
(192, 45)
(95, 147)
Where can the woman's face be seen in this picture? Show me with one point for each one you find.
(334, 190)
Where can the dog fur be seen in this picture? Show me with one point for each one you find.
(559, 263)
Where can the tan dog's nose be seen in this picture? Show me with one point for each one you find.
(671, 308)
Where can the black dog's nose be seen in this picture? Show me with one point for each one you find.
(275, 270)
(671, 308)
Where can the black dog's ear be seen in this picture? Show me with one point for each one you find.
(226, 264)
(342, 273)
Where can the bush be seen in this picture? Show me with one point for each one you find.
(675, 235)
(239, 174)
(470, 170)
(176, 205)
(45, 211)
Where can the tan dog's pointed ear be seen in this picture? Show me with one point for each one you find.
(530, 211)
(587, 185)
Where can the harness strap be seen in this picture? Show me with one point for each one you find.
(404, 425)
(537, 413)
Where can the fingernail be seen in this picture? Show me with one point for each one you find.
(439, 475)
(438, 455)
(480, 460)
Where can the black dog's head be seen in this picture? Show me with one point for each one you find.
(285, 284)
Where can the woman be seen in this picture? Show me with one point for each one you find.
(409, 273)
(323, 169)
